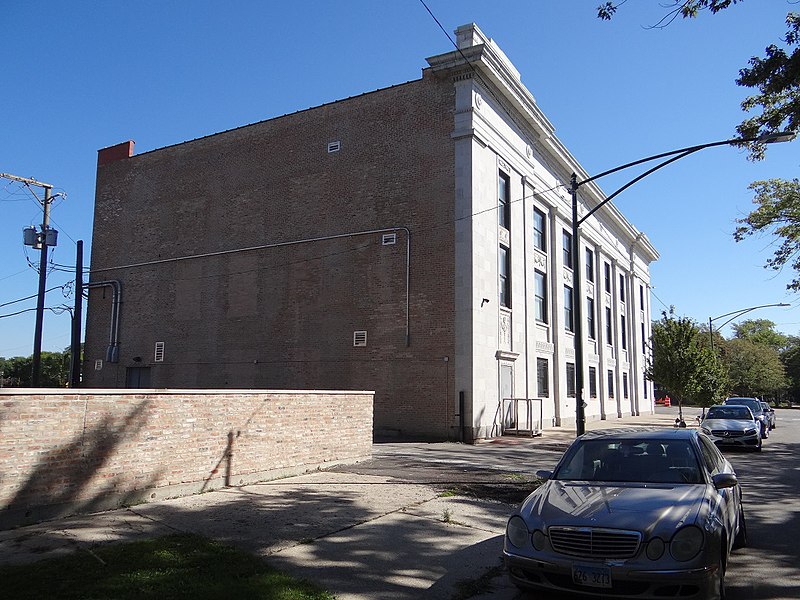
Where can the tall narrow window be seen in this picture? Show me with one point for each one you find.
(621, 287)
(590, 318)
(505, 277)
(504, 200)
(641, 297)
(592, 382)
(539, 230)
(610, 383)
(644, 380)
(570, 380)
(589, 265)
(609, 328)
(540, 296)
(607, 277)
(644, 340)
(625, 385)
(569, 320)
(567, 242)
(543, 377)
(623, 332)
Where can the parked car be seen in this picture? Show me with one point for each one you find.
(732, 425)
(770, 412)
(630, 513)
(754, 404)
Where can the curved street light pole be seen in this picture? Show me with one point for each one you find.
(671, 156)
(736, 314)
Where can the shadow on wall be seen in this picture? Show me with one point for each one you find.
(58, 484)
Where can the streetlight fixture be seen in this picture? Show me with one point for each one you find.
(671, 156)
(736, 314)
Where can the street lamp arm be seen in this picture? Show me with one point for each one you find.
(738, 313)
(637, 179)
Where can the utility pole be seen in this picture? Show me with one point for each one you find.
(46, 237)
(75, 346)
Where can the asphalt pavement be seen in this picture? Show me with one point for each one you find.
(418, 520)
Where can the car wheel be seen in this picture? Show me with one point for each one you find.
(764, 432)
(740, 541)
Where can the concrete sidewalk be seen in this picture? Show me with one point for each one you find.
(377, 529)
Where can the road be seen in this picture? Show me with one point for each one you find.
(769, 568)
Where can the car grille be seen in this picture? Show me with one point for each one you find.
(726, 433)
(594, 543)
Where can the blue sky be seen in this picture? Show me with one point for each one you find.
(82, 76)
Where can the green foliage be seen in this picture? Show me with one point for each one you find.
(760, 331)
(684, 8)
(778, 213)
(755, 369)
(791, 362)
(17, 371)
(683, 363)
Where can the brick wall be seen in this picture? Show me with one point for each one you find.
(284, 316)
(64, 453)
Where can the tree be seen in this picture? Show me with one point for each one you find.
(683, 364)
(778, 213)
(18, 371)
(754, 369)
(791, 363)
(761, 331)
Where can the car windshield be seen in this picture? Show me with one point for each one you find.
(651, 461)
(729, 412)
(753, 405)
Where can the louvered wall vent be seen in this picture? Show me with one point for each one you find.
(159, 354)
(359, 338)
(98, 364)
(389, 239)
(334, 146)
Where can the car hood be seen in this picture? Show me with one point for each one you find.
(728, 424)
(635, 506)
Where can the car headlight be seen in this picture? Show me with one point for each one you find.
(655, 549)
(750, 431)
(686, 543)
(705, 430)
(538, 540)
(517, 531)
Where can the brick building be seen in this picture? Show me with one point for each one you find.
(410, 241)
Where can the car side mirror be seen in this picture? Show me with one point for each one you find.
(544, 474)
(724, 480)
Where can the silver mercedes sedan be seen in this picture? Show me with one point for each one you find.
(630, 513)
(732, 425)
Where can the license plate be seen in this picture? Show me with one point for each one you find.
(591, 575)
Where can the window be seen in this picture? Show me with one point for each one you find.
(592, 382)
(609, 328)
(539, 230)
(641, 297)
(607, 277)
(570, 380)
(625, 385)
(543, 377)
(569, 321)
(610, 384)
(567, 240)
(644, 380)
(504, 201)
(505, 277)
(622, 332)
(589, 265)
(590, 318)
(540, 296)
(622, 288)
(644, 339)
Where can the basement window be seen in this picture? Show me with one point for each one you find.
(359, 339)
(389, 239)
(159, 353)
(334, 146)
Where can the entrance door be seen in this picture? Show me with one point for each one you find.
(507, 391)
(137, 377)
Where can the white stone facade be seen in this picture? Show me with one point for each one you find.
(501, 133)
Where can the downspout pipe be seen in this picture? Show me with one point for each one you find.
(112, 352)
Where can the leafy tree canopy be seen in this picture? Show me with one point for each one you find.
(755, 369)
(760, 331)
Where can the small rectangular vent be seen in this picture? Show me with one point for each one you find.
(359, 338)
(159, 354)
(98, 364)
(389, 239)
(334, 146)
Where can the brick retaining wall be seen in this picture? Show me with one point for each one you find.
(86, 450)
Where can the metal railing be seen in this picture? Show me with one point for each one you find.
(527, 421)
